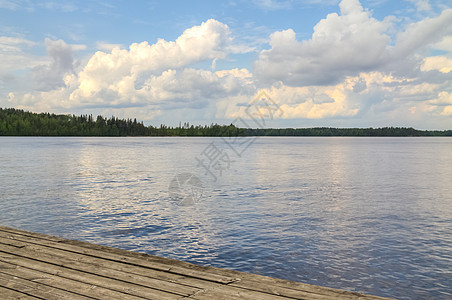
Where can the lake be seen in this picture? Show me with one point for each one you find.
(372, 215)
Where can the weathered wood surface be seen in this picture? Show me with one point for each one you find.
(37, 266)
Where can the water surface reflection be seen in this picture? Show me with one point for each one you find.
(365, 214)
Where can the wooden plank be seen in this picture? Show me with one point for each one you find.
(109, 268)
(222, 291)
(228, 292)
(10, 241)
(265, 288)
(8, 294)
(250, 285)
(35, 289)
(132, 273)
(52, 279)
(283, 287)
(78, 259)
(54, 266)
(31, 234)
(101, 267)
(53, 261)
(300, 292)
(277, 290)
(143, 260)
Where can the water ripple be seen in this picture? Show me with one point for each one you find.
(367, 215)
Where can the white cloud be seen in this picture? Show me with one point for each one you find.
(9, 43)
(447, 111)
(350, 70)
(421, 5)
(182, 88)
(444, 99)
(242, 74)
(78, 47)
(443, 103)
(346, 45)
(444, 45)
(8, 4)
(147, 76)
(440, 63)
(104, 70)
(316, 102)
(190, 86)
(341, 45)
(14, 56)
(313, 102)
(50, 76)
(372, 98)
(11, 97)
(108, 46)
(423, 33)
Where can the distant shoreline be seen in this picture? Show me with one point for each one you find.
(15, 122)
(219, 136)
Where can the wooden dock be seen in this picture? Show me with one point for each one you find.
(37, 266)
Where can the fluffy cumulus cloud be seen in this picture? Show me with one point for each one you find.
(152, 76)
(347, 44)
(443, 104)
(341, 45)
(356, 66)
(440, 63)
(153, 73)
(355, 70)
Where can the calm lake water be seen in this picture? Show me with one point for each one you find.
(372, 215)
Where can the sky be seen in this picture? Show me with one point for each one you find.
(330, 63)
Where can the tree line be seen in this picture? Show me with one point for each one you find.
(328, 131)
(17, 122)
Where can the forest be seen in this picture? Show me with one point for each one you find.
(17, 122)
(328, 131)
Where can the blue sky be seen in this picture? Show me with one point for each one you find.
(334, 63)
